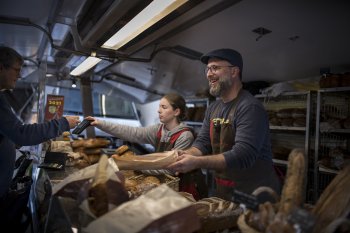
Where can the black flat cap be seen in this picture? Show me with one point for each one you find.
(230, 55)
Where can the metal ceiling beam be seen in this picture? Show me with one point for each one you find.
(197, 14)
(117, 10)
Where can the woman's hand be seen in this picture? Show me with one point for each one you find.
(93, 121)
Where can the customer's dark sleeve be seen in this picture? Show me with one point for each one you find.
(28, 134)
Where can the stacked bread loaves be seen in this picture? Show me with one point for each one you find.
(89, 150)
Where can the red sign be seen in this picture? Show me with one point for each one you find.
(54, 107)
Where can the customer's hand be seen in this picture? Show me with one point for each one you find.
(73, 121)
(93, 121)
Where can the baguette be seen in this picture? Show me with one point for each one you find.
(121, 150)
(293, 189)
(334, 202)
(98, 201)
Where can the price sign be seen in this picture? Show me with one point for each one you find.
(54, 107)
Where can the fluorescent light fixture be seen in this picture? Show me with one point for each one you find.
(154, 12)
(85, 66)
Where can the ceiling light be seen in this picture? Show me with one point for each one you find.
(85, 66)
(154, 12)
(74, 83)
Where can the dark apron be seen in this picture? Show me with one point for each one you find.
(222, 136)
(192, 182)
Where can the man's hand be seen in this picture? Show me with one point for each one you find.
(73, 121)
(184, 163)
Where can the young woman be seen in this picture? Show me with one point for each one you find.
(170, 133)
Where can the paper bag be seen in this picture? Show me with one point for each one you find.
(146, 162)
(159, 210)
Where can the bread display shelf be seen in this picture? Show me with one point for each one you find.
(278, 161)
(341, 131)
(328, 170)
(332, 137)
(287, 128)
(290, 117)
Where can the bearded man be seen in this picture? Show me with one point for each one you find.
(234, 140)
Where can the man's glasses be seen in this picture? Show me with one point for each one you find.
(213, 69)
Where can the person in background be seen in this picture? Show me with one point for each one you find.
(234, 140)
(12, 131)
(171, 133)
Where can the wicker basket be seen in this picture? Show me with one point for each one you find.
(171, 181)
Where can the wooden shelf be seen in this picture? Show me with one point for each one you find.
(344, 131)
(287, 128)
(328, 170)
(281, 162)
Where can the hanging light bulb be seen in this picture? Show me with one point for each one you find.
(74, 83)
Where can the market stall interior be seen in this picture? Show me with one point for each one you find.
(296, 61)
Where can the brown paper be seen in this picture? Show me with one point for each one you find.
(70, 186)
(145, 162)
(159, 210)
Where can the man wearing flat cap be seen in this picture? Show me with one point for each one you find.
(234, 138)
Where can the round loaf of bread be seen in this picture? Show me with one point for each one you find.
(65, 133)
(130, 185)
(151, 180)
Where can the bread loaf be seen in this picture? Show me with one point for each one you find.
(293, 189)
(334, 202)
(98, 200)
(77, 143)
(92, 151)
(151, 179)
(130, 185)
(122, 149)
(96, 142)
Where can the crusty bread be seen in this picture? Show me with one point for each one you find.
(334, 202)
(130, 185)
(128, 153)
(96, 142)
(293, 189)
(122, 149)
(92, 151)
(98, 201)
(65, 133)
(151, 180)
(77, 143)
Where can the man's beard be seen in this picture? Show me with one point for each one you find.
(223, 85)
